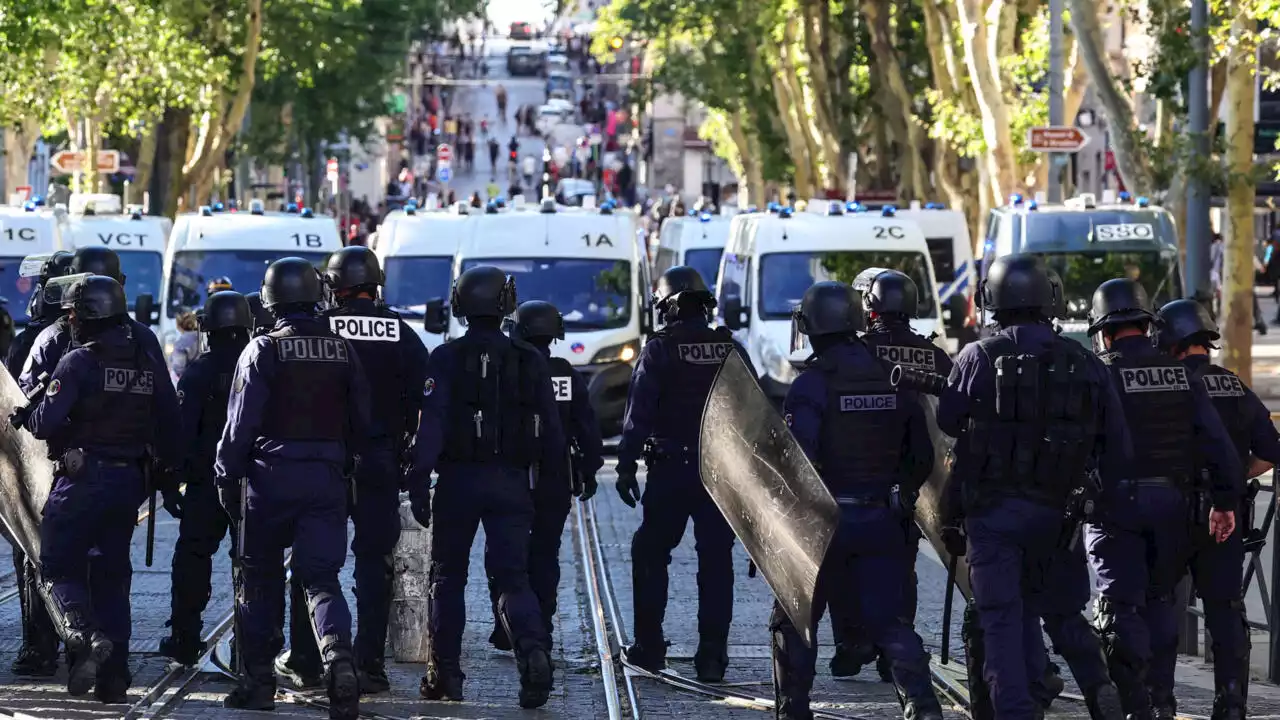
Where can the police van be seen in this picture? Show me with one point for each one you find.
(590, 263)
(951, 250)
(773, 257)
(1088, 243)
(97, 220)
(214, 242)
(696, 241)
(28, 230)
(416, 249)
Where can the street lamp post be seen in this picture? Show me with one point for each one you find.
(1197, 280)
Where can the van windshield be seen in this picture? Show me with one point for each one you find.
(707, 262)
(412, 281)
(143, 275)
(590, 294)
(193, 269)
(785, 276)
(1083, 272)
(16, 290)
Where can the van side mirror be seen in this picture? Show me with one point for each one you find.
(736, 316)
(145, 310)
(646, 320)
(435, 318)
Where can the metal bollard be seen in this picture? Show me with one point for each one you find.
(410, 591)
(1273, 623)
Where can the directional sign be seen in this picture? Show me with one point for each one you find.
(444, 153)
(1063, 139)
(331, 169)
(444, 174)
(69, 162)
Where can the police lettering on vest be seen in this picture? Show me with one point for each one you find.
(912, 357)
(312, 349)
(1154, 379)
(374, 329)
(563, 388)
(1223, 386)
(127, 380)
(859, 403)
(704, 353)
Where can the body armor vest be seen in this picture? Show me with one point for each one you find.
(1230, 399)
(1036, 434)
(695, 353)
(213, 416)
(905, 348)
(863, 428)
(1158, 405)
(562, 374)
(494, 413)
(375, 334)
(309, 388)
(121, 411)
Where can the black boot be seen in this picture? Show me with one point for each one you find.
(499, 639)
(1049, 687)
(344, 687)
(185, 649)
(442, 683)
(256, 691)
(849, 659)
(34, 663)
(303, 672)
(535, 677)
(114, 679)
(1229, 703)
(1163, 706)
(884, 668)
(710, 661)
(925, 707)
(1104, 703)
(91, 650)
(373, 677)
(651, 659)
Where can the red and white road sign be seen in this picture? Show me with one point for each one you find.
(1063, 139)
(331, 169)
(68, 162)
(444, 153)
(24, 191)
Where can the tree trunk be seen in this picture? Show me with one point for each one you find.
(796, 141)
(177, 126)
(790, 75)
(1129, 148)
(1217, 86)
(824, 91)
(1236, 322)
(752, 169)
(19, 140)
(146, 157)
(979, 57)
(896, 101)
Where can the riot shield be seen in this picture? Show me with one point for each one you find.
(26, 473)
(929, 506)
(767, 489)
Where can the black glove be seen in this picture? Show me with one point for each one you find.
(229, 496)
(589, 487)
(953, 540)
(173, 502)
(628, 487)
(420, 505)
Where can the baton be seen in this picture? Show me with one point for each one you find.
(151, 510)
(21, 414)
(237, 572)
(952, 566)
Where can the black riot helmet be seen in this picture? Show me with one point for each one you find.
(1058, 308)
(261, 315)
(682, 287)
(1185, 322)
(538, 320)
(97, 260)
(54, 265)
(828, 308)
(1119, 301)
(226, 309)
(888, 292)
(57, 265)
(1017, 282)
(353, 268)
(483, 291)
(96, 297)
(218, 284)
(291, 281)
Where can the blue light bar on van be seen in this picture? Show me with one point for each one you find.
(29, 206)
(772, 207)
(218, 207)
(206, 211)
(834, 208)
(888, 211)
(308, 213)
(1125, 197)
(1015, 199)
(704, 217)
(411, 207)
(934, 206)
(291, 208)
(853, 206)
(784, 212)
(1144, 201)
(753, 209)
(38, 200)
(1033, 205)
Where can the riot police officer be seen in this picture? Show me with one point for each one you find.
(890, 301)
(1187, 332)
(396, 361)
(38, 656)
(872, 480)
(297, 418)
(1022, 450)
(669, 387)
(105, 405)
(539, 324)
(1139, 540)
(262, 320)
(52, 342)
(203, 392)
(490, 428)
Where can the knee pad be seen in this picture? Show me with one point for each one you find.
(1122, 658)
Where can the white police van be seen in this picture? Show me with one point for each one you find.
(590, 263)
(32, 229)
(416, 249)
(139, 240)
(951, 250)
(214, 243)
(694, 241)
(773, 257)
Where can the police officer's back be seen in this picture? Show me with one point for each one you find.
(490, 427)
(106, 410)
(891, 300)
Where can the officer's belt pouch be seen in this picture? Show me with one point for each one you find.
(72, 464)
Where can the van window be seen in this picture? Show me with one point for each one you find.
(707, 262)
(664, 261)
(193, 269)
(590, 294)
(1083, 272)
(412, 281)
(942, 252)
(785, 276)
(736, 281)
(143, 274)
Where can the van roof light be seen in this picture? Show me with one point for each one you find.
(256, 207)
(411, 207)
(135, 215)
(934, 206)
(308, 213)
(29, 206)
(704, 216)
(1125, 196)
(219, 207)
(834, 208)
(753, 209)
(1015, 199)
(462, 208)
(785, 212)
(206, 211)
(888, 211)
(1144, 201)
(1033, 205)
(291, 208)
(548, 206)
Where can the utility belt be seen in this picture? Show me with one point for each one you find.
(902, 502)
(656, 452)
(72, 463)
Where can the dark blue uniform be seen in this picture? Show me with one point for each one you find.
(53, 341)
(106, 403)
(20, 349)
(299, 411)
(1015, 533)
(845, 393)
(553, 495)
(489, 427)
(1139, 542)
(203, 392)
(669, 387)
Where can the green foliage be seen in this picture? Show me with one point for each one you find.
(1029, 73)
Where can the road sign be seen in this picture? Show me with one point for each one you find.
(444, 173)
(331, 169)
(69, 162)
(444, 153)
(1064, 139)
(24, 191)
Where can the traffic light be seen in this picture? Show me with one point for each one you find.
(615, 43)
